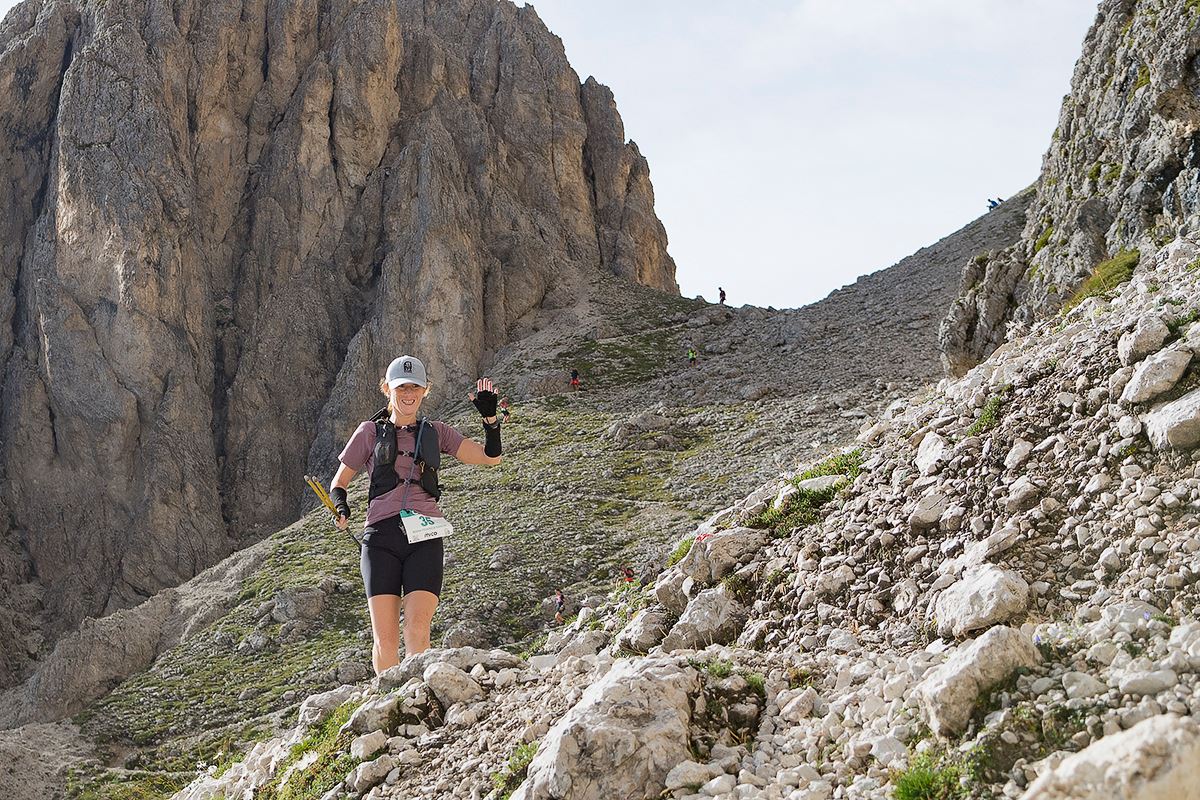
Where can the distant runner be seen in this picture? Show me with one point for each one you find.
(575, 384)
(504, 412)
(402, 549)
(722, 291)
(560, 605)
(691, 353)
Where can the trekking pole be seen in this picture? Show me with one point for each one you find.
(326, 501)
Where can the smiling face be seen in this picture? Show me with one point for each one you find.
(406, 398)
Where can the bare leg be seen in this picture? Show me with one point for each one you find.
(418, 615)
(385, 630)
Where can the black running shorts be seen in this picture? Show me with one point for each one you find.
(390, 565)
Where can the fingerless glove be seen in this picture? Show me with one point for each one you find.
(338, 496)
(486, 401)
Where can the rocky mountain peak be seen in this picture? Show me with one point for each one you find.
(221, 220)
(1121, 175)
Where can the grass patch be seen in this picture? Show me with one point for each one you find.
(718, 668)
(801, 511)
(1094, 173)
(989, 417)
(1107, 276)
(333, 761)
(928, 777)
(1176, 326)
(128, 786)
(1112, 173)
(758, 683)
(681, 550)
(848, 464)
(509, 778)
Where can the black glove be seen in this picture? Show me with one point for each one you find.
(486, 401)
(338, 496)
(491, 438)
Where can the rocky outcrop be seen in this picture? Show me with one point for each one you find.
(1157, 759)
(1122, 173)
(221, 220)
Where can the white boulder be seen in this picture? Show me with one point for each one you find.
(1157, 759)
(985, 595)
(948, 694)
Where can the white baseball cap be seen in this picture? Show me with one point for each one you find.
(406, 369)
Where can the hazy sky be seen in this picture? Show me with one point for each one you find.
(797, 144)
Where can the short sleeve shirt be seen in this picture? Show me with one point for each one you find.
(359, 454)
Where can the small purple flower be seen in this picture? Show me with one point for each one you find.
(1037, 638)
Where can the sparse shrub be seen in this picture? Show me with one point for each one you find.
(739, 586)
(716, 667)
(758, 683)
(1107, 276)
(1112, 173)
(1094, 172)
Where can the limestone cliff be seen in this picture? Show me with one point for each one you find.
(219, 220)
(1122, 173)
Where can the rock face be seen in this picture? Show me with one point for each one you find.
(1122, 172)
(1157, 759)
(221, 220)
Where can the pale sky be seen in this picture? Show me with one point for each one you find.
(797, 144)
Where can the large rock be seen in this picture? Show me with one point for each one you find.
(1157, 374)
(1175, 424)
(1146, 337)
(947, 695)
(621, 739)
(712, 617)
(464, 658)
(715, 556)
(1157, 759)
(191, 182)
(451, 685)
(984, 596)
(646, 629)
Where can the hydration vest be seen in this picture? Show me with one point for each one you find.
(428, 457)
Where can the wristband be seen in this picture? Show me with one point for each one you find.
(491, 439)
(338, 496)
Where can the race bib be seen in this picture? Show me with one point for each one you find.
(419, 528)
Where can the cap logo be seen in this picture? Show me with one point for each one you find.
(408, 366)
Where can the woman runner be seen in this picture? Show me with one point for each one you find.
(397, 574)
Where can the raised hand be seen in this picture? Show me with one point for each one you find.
(485, 398)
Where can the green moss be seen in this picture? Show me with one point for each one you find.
(1143, 78)
(1107, 276)
(1112, 173)
(508, 779)
(1044, 239)
(1094, 173)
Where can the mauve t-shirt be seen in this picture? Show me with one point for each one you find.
(360, 454)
